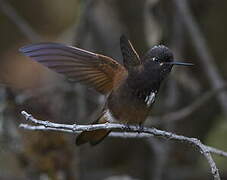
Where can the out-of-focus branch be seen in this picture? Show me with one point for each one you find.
(82, 28)
(188, 110)
(23, 26)
(74, 128)
(152, 29)
(161, 154)
(199, 42)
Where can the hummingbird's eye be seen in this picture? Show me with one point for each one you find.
(157, 60)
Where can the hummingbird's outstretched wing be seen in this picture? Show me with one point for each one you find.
(130, 56)
(97, 71)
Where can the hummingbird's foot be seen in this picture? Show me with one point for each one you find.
(127, 127)
(141, 128)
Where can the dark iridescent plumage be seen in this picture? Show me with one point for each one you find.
(131, 89)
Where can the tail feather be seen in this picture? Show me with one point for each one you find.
(93, 137)
(96, 136)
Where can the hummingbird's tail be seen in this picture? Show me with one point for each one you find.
(96, 136)
(92, 137)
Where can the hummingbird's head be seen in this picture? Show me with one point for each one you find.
(160, 54)
(161, 58)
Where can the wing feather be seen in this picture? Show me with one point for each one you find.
(95, 70)
(130, 56)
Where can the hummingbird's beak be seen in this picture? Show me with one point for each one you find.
(181, 63)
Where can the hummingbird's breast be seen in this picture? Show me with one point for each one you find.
(131, 104)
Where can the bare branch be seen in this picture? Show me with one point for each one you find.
(135, 132)
(125, 135)
(23, 26)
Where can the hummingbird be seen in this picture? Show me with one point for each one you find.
(130, 89)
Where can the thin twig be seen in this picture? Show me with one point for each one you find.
(74, 128)
(23, 26)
